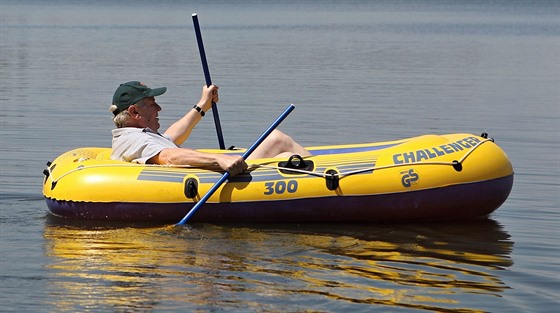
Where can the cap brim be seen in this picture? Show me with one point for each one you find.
(157, 91)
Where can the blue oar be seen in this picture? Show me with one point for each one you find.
(208, 80)
(224, 177)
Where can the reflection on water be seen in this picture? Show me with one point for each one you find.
(276, 267)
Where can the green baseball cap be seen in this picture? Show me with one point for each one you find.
(131, 92)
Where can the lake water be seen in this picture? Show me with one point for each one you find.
(358, 71)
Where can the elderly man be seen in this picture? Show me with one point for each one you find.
(136, 138)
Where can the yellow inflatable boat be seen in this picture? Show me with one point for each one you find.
(430, 177)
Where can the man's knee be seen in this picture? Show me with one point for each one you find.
(278, 138)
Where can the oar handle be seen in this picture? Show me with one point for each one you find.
(225, 176)
(208, 80)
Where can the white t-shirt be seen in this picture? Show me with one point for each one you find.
(138, 145)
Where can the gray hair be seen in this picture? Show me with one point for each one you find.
(122, 118)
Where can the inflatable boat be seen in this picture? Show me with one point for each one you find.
(430, 177)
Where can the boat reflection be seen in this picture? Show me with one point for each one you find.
(272, 267)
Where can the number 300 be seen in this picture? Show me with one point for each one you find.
(280, 187)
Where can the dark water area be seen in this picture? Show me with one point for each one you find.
(357, 71)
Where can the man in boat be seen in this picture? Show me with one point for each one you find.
(136, 138)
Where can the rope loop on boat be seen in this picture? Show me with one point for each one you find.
(456, 164)
(84, 167)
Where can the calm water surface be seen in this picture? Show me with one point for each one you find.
(357, 71)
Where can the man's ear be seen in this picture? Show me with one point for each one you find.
(133, 111)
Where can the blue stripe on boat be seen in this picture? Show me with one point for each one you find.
(351, 149)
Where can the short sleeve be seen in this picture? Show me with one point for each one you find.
(139, 147)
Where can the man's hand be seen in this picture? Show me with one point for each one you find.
(233, 164)
(209, 95)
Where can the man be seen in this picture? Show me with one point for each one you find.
(136, 138)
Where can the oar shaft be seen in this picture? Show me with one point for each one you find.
(224, 177)
(201, 50)
(208, 80)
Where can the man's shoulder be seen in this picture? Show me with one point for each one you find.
(126, 130)
(141, 136)
(133, 132)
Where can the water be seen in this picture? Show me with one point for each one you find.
(357, 71)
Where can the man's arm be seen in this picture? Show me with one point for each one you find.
(234, 164)
(181, 130)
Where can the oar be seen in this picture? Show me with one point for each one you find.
(208, 80)
(224, 177)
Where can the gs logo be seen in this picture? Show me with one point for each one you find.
(409, 178)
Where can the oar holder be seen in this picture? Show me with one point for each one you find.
(332, 179)
(295, 162)
(191, 188)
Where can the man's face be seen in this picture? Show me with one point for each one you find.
(148, 113)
